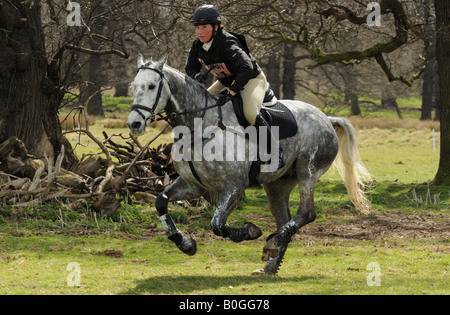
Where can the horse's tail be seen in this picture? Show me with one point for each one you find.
(349, 164)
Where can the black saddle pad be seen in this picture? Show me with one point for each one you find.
(281, 116)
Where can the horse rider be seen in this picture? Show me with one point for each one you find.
(227, 56)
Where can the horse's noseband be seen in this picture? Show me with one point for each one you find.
(137, 107)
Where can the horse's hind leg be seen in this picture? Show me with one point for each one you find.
(179, 190)
(278, 194)
(229, 197)
(277, 243)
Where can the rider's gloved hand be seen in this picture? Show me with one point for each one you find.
(224, 98)
(199, 77)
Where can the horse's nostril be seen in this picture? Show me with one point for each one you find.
(136, 125)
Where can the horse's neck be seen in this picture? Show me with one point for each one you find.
(187, 97)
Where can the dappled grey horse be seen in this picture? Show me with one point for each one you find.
(319, 141)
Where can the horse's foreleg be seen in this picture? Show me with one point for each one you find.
(179, 190)
(229, 197)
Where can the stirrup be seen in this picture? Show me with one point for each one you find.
(281, 162)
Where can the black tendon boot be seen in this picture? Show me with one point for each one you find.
(261, 122)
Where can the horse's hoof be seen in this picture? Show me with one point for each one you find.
(259, 272)
(188, 246)
(247, 233)
(273, 253)
(253, 231)
(271, 268)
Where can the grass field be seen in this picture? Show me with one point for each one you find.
(38, 265)
(406, 238)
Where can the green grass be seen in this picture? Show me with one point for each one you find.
(38, 265)
(409, 107)
(397, 155)
(37, 245)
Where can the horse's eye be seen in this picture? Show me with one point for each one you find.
(151, 86)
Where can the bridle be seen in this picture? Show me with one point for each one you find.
(137, 107)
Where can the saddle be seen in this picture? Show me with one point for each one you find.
(274, 112)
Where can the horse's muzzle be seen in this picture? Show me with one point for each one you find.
(136, 127)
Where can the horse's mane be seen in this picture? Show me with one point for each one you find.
(177, 74)
(189, 94)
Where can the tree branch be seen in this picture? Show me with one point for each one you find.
(119, 53)
(380, 60)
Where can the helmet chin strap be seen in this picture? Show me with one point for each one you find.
(208, 44)
(214, 32)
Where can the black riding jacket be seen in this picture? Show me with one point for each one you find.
(229, 53)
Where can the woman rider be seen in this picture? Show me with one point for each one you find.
(228, 57)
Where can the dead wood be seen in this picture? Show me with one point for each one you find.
(136, 170)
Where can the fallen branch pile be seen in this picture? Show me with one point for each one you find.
(26, 181)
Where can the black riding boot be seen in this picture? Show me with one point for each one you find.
(261, 122)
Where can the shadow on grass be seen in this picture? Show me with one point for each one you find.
(184, 284)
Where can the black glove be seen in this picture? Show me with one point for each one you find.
(199, 78)
(224, 98)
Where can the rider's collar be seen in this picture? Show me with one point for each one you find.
(207, 46)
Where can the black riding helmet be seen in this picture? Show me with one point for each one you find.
(206, 14)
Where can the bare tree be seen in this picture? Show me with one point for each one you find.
(39, 60)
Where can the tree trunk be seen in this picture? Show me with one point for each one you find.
(437, 97)
(430, 79)
(91, 88)
(121, 89)
(428, 89)
(29, 92)
(273, 73)
(443, 56)
(92, 75)
(289, 62)
(354, 103)
(350, 81)
(388, 99)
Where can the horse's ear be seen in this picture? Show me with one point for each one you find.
(140, 61)
(160, 63)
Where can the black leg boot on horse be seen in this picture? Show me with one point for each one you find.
(229, 197)
(179, 190)
(261, 122)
